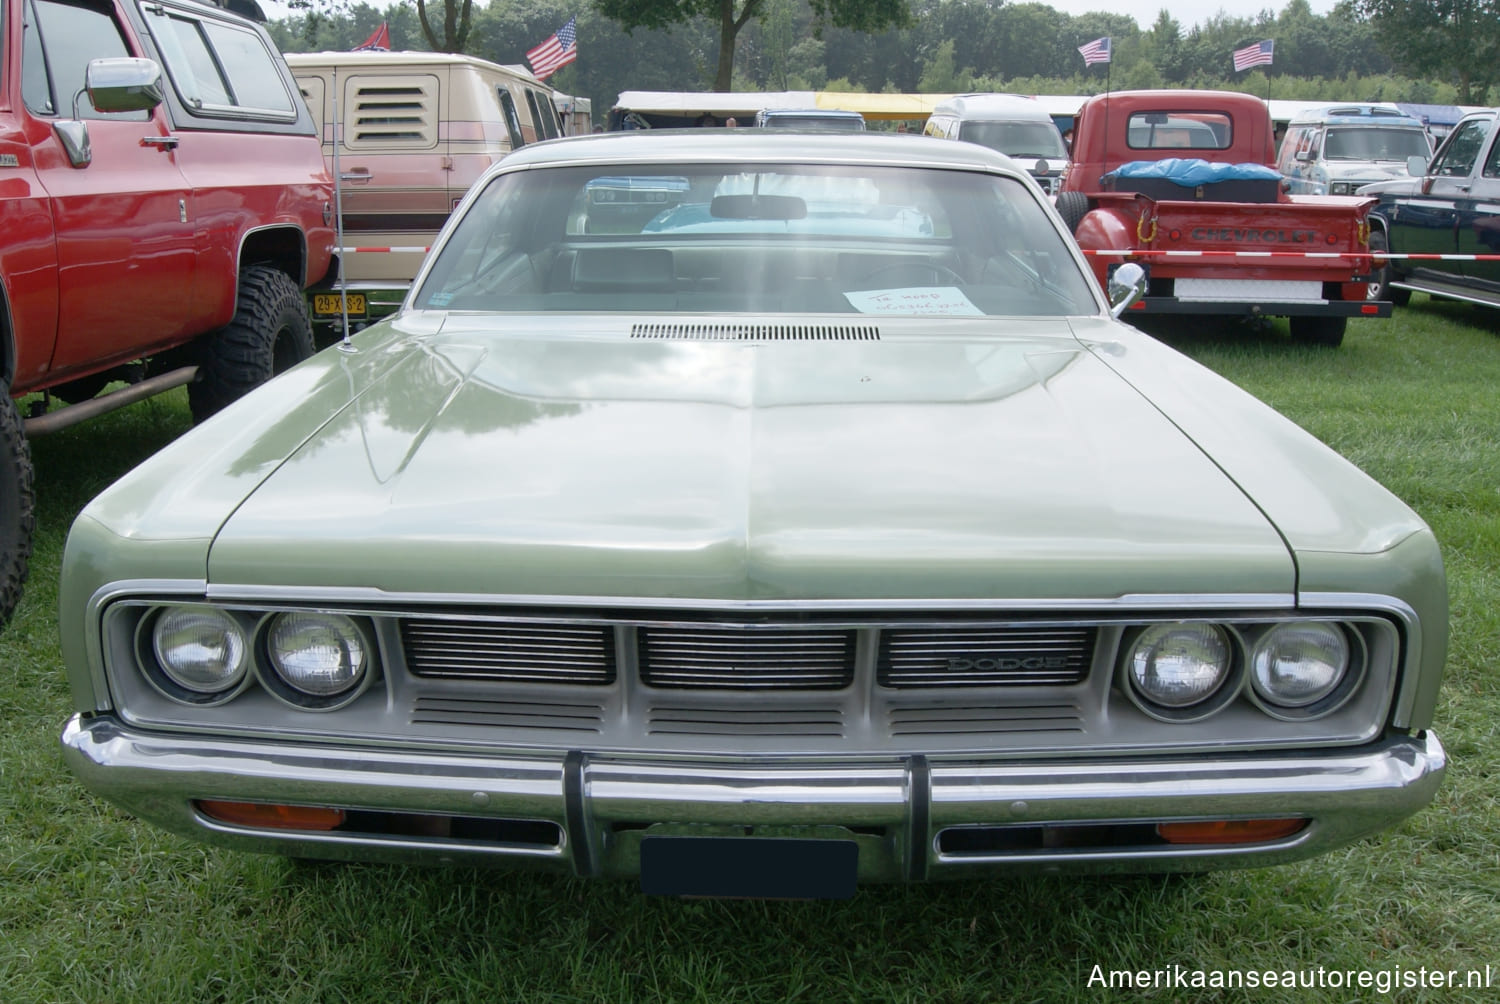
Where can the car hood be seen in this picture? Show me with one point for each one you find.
(910, 467)
(1374, 170)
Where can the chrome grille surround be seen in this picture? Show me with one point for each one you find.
(440, 697)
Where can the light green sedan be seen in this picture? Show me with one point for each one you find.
(758, 515)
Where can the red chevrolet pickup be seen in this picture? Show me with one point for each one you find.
(165, 202)
(1184, 183)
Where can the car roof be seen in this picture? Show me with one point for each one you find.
(707, 145)
(1356, 114)
(1011, 106)
(822, 113)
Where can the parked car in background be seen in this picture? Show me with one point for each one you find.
(165, 202)
(1338, 149)
(1014, 125)
(417, 129)
(1447, 215)
(823, 527)
(816, 119)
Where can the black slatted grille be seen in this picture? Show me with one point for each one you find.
(1004, 656)
(511, 652)
(746, 659)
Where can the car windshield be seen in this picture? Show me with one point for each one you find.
(1017, 139)
(1375, 143)
(756, 238)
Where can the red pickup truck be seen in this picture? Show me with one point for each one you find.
(1185, 183)
(165, 202)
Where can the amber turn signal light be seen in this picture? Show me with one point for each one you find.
(273, 817)
(1229, 831)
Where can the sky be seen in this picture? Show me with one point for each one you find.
(1187, 12)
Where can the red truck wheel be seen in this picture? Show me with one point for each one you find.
(17, 506)
(270, 333)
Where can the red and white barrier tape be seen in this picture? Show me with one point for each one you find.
(1127, 252)
(1142, 252)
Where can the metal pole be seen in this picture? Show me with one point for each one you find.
(338, 215)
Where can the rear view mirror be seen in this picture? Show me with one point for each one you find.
(124, 84)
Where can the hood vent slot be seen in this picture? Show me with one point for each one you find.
(718, 332)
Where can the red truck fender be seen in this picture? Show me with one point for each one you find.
(1111, 226)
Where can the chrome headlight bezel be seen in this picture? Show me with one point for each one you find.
(1248, 639)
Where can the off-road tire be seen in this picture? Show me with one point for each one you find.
(270, 333)
(1380, 288)
(1319, 330)
(1072, 207)
(17, 505)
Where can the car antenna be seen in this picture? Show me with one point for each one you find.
(346, 345)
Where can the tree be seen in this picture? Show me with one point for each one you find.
(1457, 40)
(860, 15)
(455, 19)
(456, 23)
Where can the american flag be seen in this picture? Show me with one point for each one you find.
(557, 52)
(1096, 51)
(1258, 54)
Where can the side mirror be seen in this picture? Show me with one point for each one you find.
(124, 84)
(1126, 286)
(1304, 155)
(1416, 166)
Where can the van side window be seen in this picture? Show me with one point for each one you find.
(60, 40)
(512, 119)
(546, 115)
(220, 67)
(536, 115)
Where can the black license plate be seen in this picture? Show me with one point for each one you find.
(749, 867)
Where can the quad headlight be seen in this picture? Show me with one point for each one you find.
(201, 652)
(1294, 670)
(1298, 664)
(1178, 667)
(204, 655)
(321, 659)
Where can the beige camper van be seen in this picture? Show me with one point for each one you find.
(418, 129)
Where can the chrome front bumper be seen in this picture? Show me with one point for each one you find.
(600, 806)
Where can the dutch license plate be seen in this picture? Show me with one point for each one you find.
(749, 867)
(328, 305)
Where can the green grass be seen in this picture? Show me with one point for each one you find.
(96, 907)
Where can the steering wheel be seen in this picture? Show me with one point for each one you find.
(920, 274)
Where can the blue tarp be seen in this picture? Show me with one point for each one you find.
(1191, 172)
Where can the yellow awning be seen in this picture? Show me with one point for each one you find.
(881, 106)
